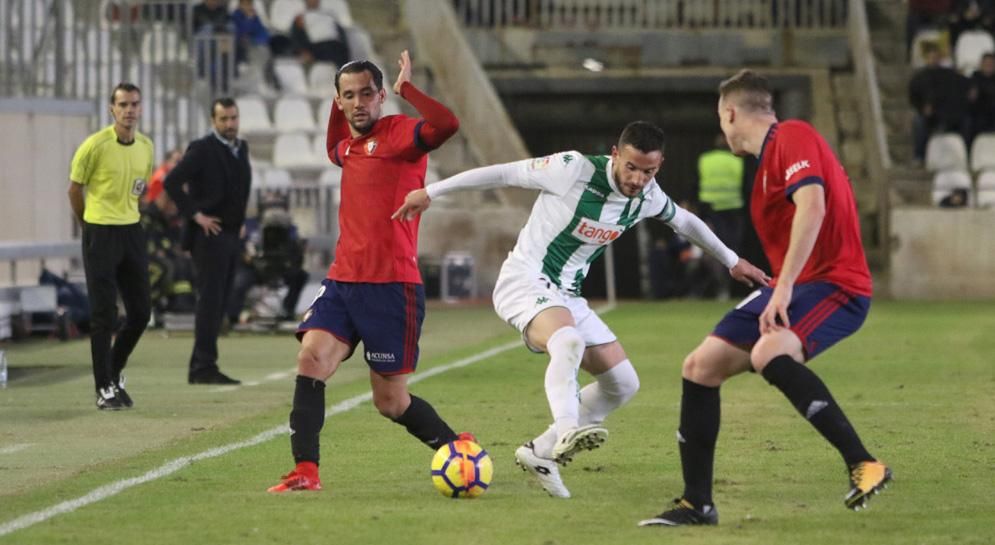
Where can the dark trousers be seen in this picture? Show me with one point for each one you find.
(215, 258)
(115, 260)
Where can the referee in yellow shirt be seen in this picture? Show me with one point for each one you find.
(113, 165)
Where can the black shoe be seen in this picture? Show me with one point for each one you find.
(684, 514)
(107, 399)
(212, 377)
(122, 394)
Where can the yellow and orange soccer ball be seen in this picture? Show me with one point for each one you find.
(461, 469)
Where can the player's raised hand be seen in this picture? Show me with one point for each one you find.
(415, 203)
(405, 74)
(745, 272)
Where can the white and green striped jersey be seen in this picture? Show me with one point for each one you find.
(578, 213)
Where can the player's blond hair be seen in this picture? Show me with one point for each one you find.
(749, 91)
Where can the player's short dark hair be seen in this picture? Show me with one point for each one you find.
(750, 91)
(127, 88)
(357, 67)
(642, 135)
(224, 102)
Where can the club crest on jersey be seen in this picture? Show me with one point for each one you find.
(371, 145)
(595, 232)
(793, 169)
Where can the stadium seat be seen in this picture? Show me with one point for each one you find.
(361, 46)
(391, 106)
(946, 181)
(983, 152)
(324, 112)
(293, 150)
(341, 10)
(319, 150)
(293, 114)
(971, 45)
(290, 74)
(986, 198)
(986, 180)
(282, 13)
(277, 179)
(331, 176)
(253, 117)
(321, 80)
(946, 151)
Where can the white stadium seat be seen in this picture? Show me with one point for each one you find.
(331, 176)
(321, 79)
(983, 152)
(944, 182)
(293, 151)
(319, 150)
(946, 151)
(291, 76)
(253, 117)
(282, 13)
(293, 114)
(986, 198)
(277, 178)
(986, 180)
(341, 10)
(971, 45)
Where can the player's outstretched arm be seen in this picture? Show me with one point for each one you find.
(440, 123)
(418, 201)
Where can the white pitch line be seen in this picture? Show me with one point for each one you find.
(14, 448)
(173, 466)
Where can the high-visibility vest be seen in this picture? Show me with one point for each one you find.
(720, 180)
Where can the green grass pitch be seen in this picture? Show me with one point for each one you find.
(916, 381)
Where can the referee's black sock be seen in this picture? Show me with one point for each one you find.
(307, 418)
(421, 420)
(812, 399)
(700, 415)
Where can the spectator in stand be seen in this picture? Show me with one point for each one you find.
(318, 36)
(250, 33)
(939, 96)
(155, 183)
(982, 96)
(926, 14)
(210, 17)
(971, 15)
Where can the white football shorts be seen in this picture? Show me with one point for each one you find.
(520, 294)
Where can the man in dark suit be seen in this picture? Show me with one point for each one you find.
(210, 186)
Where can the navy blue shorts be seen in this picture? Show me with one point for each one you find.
(822, 314)
(386, 317)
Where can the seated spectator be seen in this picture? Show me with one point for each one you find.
(939, 96)
(317, 36)
(154, 189)
(274, 254)
(926, 14)
(971, 15)
(250, 33)
(214, 57)
(982, 96)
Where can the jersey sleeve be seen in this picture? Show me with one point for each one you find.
(662, 207)
(83, 163)
(799, 158)
(404, 136)
(555, 173)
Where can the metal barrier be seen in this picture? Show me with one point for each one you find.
(652, 14)
(81, 50)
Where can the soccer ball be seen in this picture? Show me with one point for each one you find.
(461, 469)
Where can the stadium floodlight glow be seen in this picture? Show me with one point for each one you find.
(593, 65)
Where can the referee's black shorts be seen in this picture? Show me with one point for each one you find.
(116, 260)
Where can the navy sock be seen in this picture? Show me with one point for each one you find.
(307, 418)
(700, 415)
(421, 420)
(812, 399)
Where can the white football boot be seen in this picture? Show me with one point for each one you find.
(587, 437)
(543, 469)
